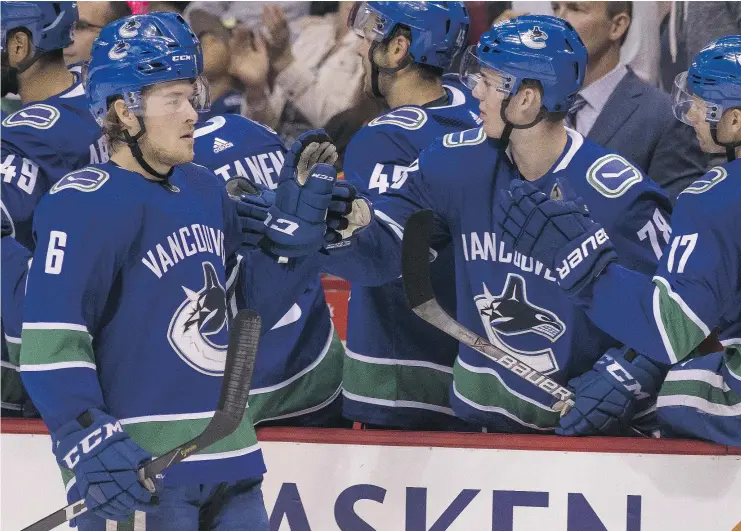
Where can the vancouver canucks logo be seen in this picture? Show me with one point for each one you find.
(129, 29)
(511, 314)
(119, 51)
(195, 329)
(535, 38)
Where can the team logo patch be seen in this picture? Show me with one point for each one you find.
(707, 181)
(195, 328)
(511, 314)
(470, 137)
(612, 175)
(119, 51)
(130, 29)
(38, 116)
(409, 118)
(86, 180)
(534, 38)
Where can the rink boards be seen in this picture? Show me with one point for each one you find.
(353, 480)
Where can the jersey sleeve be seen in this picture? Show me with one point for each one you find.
(374, 258)
(668, 318)
(74, 268)
(375, 163)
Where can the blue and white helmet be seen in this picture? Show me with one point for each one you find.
(49, 23)
(139, 51)
(439, 29)
(712, 85)
(537, 47)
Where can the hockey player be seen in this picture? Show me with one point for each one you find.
(694, 292)
(298, 373)
(125, 321)
(525, 73)
(398, 368)
(36, 147)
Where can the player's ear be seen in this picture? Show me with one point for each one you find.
(125, 116)
(19, 47)
(397, 49)
(530, 100)
(734, 123)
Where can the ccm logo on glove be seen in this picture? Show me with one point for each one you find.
(90, 442)
(578, 255)
(624, 377)
(317, 175)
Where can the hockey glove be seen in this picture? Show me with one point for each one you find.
(105, 461)
(608, 396)
(348, 214)
(557, 233)
(253, 205)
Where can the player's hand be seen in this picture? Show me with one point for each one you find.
(105, 462)
(249, 59)
(557, 233)
(253, 205)
(347, 216)
(608, 396)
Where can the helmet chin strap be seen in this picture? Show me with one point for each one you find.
(136, 151)
(376, 70)
(730, 146)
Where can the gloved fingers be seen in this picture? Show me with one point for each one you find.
(326, 154)
(239, 186)
(341, 208)
(344, 191)
(337, 223)
(247, 210)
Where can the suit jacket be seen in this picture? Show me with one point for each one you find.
(637, 122)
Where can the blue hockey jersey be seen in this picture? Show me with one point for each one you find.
(229, 103)
(299, 365)
(398, 368)
(695, 290)
(41, 142)
(511, 299)
(126, 309)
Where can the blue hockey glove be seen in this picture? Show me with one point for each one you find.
(253, 203)
(105, 461)
(620, 384)
(347, 216)
(557, 233)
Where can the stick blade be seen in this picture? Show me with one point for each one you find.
(244, 339)
(415, 258)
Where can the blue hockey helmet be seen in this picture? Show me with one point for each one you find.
(139, 51)
(439, 29)
(713, 81)
(536, 47)
(50, 24)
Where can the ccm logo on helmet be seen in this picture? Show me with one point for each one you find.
(182, 57)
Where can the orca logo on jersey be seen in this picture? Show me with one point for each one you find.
(534, 38)
(38, 116)
(410, 118)
(195, 328)
(511, 314)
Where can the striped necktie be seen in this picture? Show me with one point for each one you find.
(579, 103)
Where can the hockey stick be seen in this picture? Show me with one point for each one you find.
(415, 266)
(244, 338)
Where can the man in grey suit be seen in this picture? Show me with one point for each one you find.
(620, 111)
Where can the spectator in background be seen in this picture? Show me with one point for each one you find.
(620, 111)
(93, 16)
(250, 14)
(294, 88)
(226, 98)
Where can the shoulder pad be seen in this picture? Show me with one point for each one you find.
(85, 180)
(409, 118)
(707, 181)
(612, 175)
(38, 116)
(470, 137)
